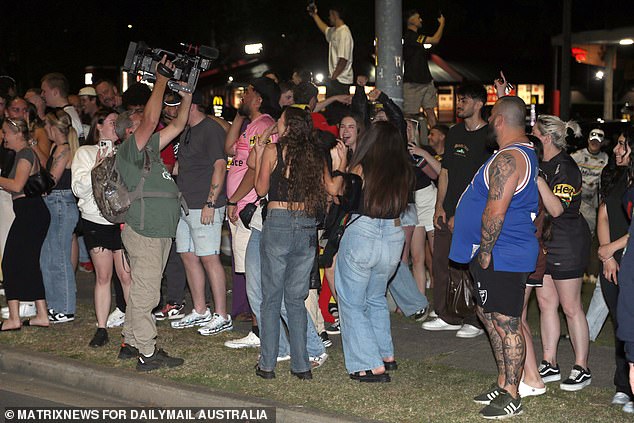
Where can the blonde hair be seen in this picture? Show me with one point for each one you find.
(19, 126)
(62, 121)
(557, 129)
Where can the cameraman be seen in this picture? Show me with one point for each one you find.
(150, 225)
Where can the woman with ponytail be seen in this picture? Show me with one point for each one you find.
(57, 269)
(568, 250)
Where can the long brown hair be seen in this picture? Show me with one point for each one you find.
(387, 170)
(303, 162)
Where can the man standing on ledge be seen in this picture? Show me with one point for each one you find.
(418, 87)
(494, 231)
(150, 225)
(340, 47)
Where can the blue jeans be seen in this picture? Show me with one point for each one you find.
(57, 269)
(253, 271)
(405, 291)
(369, 253)
(287, 252)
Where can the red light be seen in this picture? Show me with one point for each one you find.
(579, 54)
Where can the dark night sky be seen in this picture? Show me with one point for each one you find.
(43, 36)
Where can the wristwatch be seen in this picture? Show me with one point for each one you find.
(210, 204)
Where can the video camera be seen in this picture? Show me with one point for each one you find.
(143, 60)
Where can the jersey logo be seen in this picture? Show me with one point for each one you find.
(565, 193)
(483, 295)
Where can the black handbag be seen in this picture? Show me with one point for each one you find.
(246, 214)
(40, 183)
(460, 300)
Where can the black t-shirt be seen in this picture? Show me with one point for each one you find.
(617, 217)
(564, 178)
(415, 57)
(197, 153)
(465, 152)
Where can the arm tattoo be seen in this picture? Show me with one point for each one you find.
(213, 189)
(59, 158)
(501, 169)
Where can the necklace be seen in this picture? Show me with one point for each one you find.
(474, 129)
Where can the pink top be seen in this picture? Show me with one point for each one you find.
(242, 148)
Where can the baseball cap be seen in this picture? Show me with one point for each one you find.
(88, 91)
(198, 98)
(597, 134)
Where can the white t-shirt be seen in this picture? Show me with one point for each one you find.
(74, 117)
(340, 44)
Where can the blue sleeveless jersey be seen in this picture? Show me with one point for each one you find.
(517, 247)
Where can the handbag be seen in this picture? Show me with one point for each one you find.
(246, 214)
(460, 300)
(41, 182)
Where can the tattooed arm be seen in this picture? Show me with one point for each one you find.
(504, 174)
(217, 181)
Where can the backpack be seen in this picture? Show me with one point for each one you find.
(114, 198)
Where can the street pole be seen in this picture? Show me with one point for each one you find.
(608, 83)
(565, 62)
(389, 33)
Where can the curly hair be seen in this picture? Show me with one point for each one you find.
(612, 174)
(303, 162)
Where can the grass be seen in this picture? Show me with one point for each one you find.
(421, 391)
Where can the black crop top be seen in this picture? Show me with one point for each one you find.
(64, 180)
(278, 185)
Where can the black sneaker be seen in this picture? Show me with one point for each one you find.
(503, 407)
(548, 372)
(334, 329)
(100, 339)
(127, 352)
(325, 339)
(421, 314)
(156, 361)
(333, 309)
(579, 378)
(488, 396)
(54, 317)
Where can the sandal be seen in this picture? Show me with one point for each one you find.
(370, 377)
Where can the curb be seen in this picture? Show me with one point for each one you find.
(145, 389)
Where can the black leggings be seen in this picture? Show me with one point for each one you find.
(21, 260)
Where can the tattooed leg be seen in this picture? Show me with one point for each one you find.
(513, 349)
(496, 344)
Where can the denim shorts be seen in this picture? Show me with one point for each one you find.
(194, 237)
(409, 216)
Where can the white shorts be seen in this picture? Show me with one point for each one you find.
(425, 206)
(239, 240)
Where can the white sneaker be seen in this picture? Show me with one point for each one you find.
(620, 398)
(115, 319)
(526, 390)
(216, 325)
(193, 319)
(281, 358)
(629, 407)
(27, 309)
(249, 341)
(432, 314)
(469, 331)
(316, 362)
(439, 324)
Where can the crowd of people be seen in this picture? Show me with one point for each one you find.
(347, 186)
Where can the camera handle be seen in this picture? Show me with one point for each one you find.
(175, 86)
(164, 70)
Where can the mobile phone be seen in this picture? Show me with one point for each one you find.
(105, 146)
(311, 7)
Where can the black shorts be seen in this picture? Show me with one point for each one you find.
(568, 252)
(101, 236)
(497, 291)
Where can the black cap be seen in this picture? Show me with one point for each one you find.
(198, 98)
(270, 93)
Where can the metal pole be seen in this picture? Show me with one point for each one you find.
(565, 62)
(608, 83)
(389, 33)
